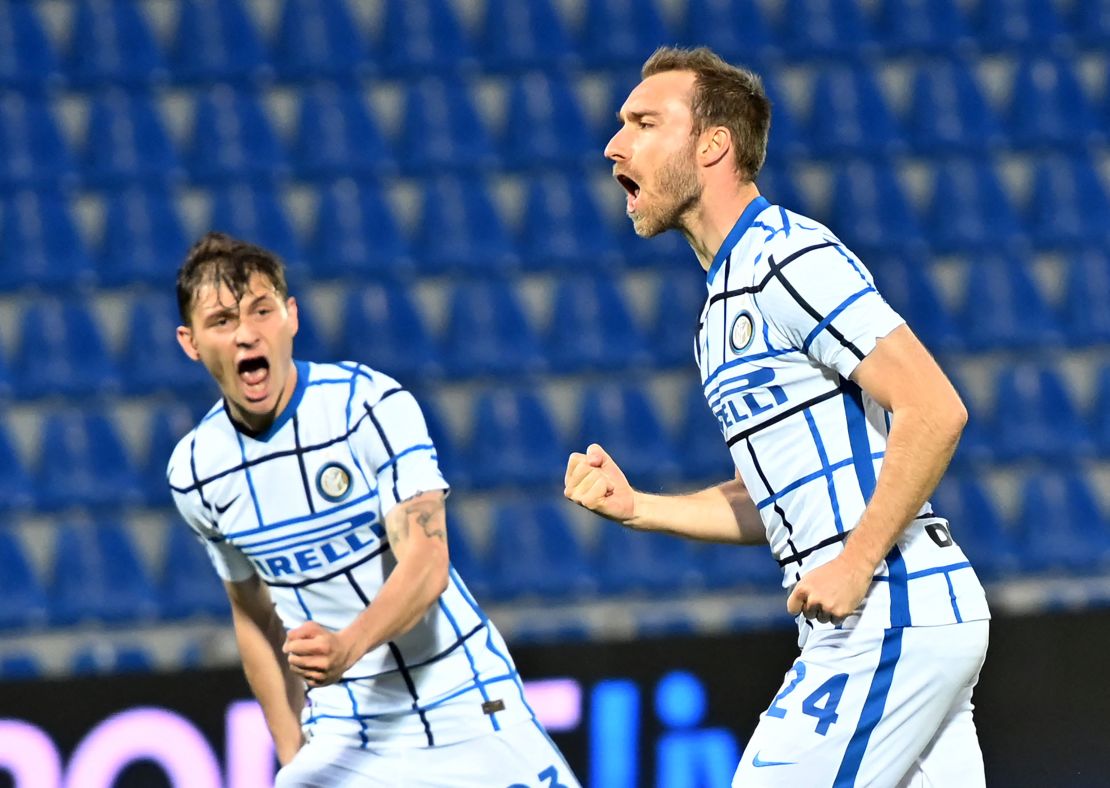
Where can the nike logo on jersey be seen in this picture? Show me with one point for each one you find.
(756, 762)
(226, 506)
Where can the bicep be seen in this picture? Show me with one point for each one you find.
(418, 526)
(900, 371)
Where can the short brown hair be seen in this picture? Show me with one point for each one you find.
(724, 95)
(218, 259)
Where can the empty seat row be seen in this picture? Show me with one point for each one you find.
(220, 39)
(532, 549)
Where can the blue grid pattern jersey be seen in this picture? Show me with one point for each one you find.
(789, 315)
(303, 506)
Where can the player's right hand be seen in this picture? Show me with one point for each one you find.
(597, 483)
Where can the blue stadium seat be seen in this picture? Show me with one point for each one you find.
(168, 425)
(452, 461)
(83, 463)
(778, 183)
(467, 561)
(255, 212)
(970, 210)
(357, 235)
(20, 666)
(232, 137)
(905, 283)
(1069, 204)
(441, 114)
(977, 448)
(42, 246)
(98, 575)
(152, 361)
(1004, 307)
(104, 659)
(1091, 21)
(1049, 108)
(561, 229)
(871, 211)
(645, 563)
(112, 43)
(488, 333)
(790, 139)
(61, 352)
(216, 40)
(592, 328)
(621, 32)
(336, 135)
(25, 603)
(460, 229)
(1062, 525)
(127, 141)
(827, 28)
(318, 38)
(32, 149)
(947, 111)
(311, 344)
(534, 552)
(545, 125)
(422, 37)
(514, 442)
(977, 526)
(737, 30)
(144, 240)
(27, 58)
(16, 490)
(624, 421)
(382, 328)
(1009, 25)
(924, 26)
(1101, 412)
(1087, 298)
(1038, 400)
(520, 34)
(737, 566)
(189, 586)
(850, 116)
(703, 454)
(679, 300)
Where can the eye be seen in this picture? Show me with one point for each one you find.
(644, 124)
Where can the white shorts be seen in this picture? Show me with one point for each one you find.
(872, 707)
(519, 756)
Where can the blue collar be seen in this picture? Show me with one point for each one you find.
(286, 412)
(755, 207)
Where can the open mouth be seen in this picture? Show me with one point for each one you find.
(254, 372)
(631, 187)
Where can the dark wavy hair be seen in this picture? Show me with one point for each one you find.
(219, 259)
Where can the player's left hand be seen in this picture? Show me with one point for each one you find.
(831, 592)
(318, 655)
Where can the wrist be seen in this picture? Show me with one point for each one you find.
(641, 503)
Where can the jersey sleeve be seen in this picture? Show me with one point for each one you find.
(823, 302)
(396, 448)
(230, 564)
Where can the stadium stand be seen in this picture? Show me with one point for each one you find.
(434, 179)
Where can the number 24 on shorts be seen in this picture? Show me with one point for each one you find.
(821, 703)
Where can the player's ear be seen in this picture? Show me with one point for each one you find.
(291, 308)
(714, 144)
(188, 346)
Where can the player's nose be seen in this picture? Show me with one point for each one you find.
(616, 148)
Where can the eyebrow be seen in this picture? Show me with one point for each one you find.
(647, 113)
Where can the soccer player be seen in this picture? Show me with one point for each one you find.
(316, 491)
(840, 425)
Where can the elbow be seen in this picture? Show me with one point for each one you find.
(956, 416)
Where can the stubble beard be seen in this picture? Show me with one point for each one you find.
(678, 181)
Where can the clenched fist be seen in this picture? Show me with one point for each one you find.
(594, 481)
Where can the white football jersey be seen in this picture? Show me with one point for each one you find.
(790, 314)
(303, 506)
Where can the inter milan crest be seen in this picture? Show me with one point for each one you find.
(741, 334)
(333, 481)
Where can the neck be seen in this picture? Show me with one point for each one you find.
(709, 222)
(258, 423)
